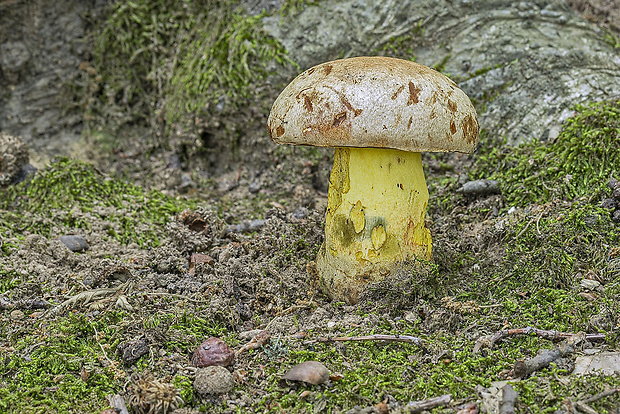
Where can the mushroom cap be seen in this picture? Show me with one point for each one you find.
(378, 102)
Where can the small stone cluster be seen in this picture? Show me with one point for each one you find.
(613, 203)
(211, 358)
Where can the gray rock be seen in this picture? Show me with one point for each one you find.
(524, 64)
(13, 56)
(213, 380)
(75, 243)
(41, 47)
(479, 187)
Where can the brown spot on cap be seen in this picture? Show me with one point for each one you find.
(279, 131)
(328, 69)
(470, 129)
(308, 103)
(398, 92)
(413, 94)
(339, 119)
(311, 71)
(348, 105)
(452, 106)
(409, 124)
(452, 127)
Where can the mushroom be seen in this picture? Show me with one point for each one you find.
(379, 113)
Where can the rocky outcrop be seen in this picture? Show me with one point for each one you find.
(41, 46)
(524, 63)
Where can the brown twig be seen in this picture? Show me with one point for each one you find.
(259, 340)
(7, 304)
(388, 338)
(489, 340)
(567, 347)
(419, 406)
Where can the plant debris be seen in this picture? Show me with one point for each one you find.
(429, 404)
(546, 357)
(489, 340)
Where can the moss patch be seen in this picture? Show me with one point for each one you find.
(58, 367)
(67, 191)
(156, 61)
(579, 163)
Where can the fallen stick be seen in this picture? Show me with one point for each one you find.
(89, 296)
(388, 338)
(422, 405)
(8, 304)
(489, 340)
(567, 347)
(599, 396)
(259, 340)
(584, 408)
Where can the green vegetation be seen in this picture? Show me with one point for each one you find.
(579, 163)
(156, 61)
(67, 191)
(58, 367)
(491, 272)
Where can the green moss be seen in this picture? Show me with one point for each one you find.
(226, 58)
(67, 189)
(372, 370)
(59, 367)
(577, 164)
(156, 61)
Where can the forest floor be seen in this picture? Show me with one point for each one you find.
(168, 266)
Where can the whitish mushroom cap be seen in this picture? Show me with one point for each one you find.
(376, 102)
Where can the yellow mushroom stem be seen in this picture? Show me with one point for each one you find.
(375, 219)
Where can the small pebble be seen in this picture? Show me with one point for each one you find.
(211, 352)
(255, 187)
(589, 284)
(132, 350)
(17, 315)
(74, 243)
(310, 372)
(300, 214)
(213, 380)
(480, 187)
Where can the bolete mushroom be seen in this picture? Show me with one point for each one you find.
(379, 113)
